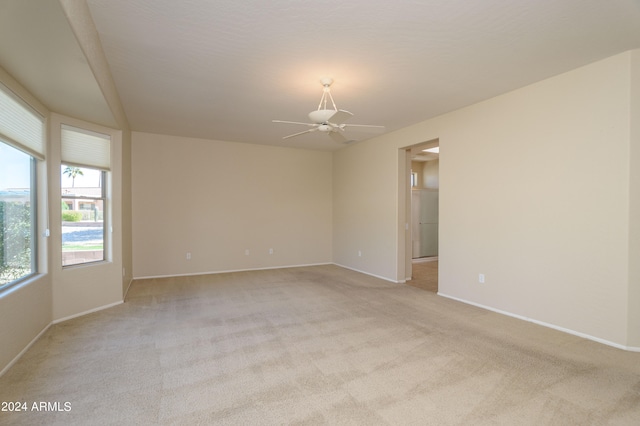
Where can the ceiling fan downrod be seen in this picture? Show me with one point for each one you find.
(326, 95)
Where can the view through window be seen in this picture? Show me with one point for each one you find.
(17, 214)
(83, 207)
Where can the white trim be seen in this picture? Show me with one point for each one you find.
(545, 324)
(191, 274)
(124, 296)
(26, 348)
(90, 311)
(370, 274)
(425, 259)
(9, 288)
(23, 351)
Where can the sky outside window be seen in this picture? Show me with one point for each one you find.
(15, 168)
(89, 179)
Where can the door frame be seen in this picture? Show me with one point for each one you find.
(404, 245)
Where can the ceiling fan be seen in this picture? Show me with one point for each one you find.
(330, 121)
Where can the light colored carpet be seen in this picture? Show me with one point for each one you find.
(315, 345)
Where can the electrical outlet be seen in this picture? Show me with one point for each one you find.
(188, 255)
(359, 253)
(270, 251)
(481, 278)
(246, 252)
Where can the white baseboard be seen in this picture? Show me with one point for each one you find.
(370, 274)
(545, 324)
(35, 339)
(23, 351)
(124, 296)
(227, 271)
(425, 259)
(90, 311)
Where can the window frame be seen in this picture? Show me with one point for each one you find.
(33, 218)
(414, 179)
(23, 127)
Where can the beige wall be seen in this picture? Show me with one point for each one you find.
(431, 174)
(127, 214)
(534, 193)
(25, 311)
(81, 23)
(83, 288)
(427, 173)
(634, 211)
(417, 168)
(58, 293)
(365, 199)
(217, 199)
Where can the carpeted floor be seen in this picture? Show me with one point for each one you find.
(314, 345)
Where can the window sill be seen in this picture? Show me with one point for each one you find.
(21, 283)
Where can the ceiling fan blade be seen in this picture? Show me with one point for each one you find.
(338, 137)
(299, 133)
(363, 125)
(364, 128)
(340, 117)
(294, 122)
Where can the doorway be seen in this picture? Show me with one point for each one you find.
(422, 163)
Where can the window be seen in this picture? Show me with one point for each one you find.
(83, 202)
(83, 179)
(21, 144)
(17, 214)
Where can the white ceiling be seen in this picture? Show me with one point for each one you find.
(224, 69)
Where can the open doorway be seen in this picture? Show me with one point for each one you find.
(423, 208)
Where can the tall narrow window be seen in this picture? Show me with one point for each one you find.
(17, 215)
(83, 203)
(83, 178)
(21, 144)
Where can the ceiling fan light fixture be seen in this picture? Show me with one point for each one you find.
(325, 120)
(321, 115)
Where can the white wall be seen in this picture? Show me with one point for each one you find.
(217, 199)
(534, 193)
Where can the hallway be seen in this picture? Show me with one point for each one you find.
(425, 274)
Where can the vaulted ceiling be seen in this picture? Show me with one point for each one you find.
(225, 69)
